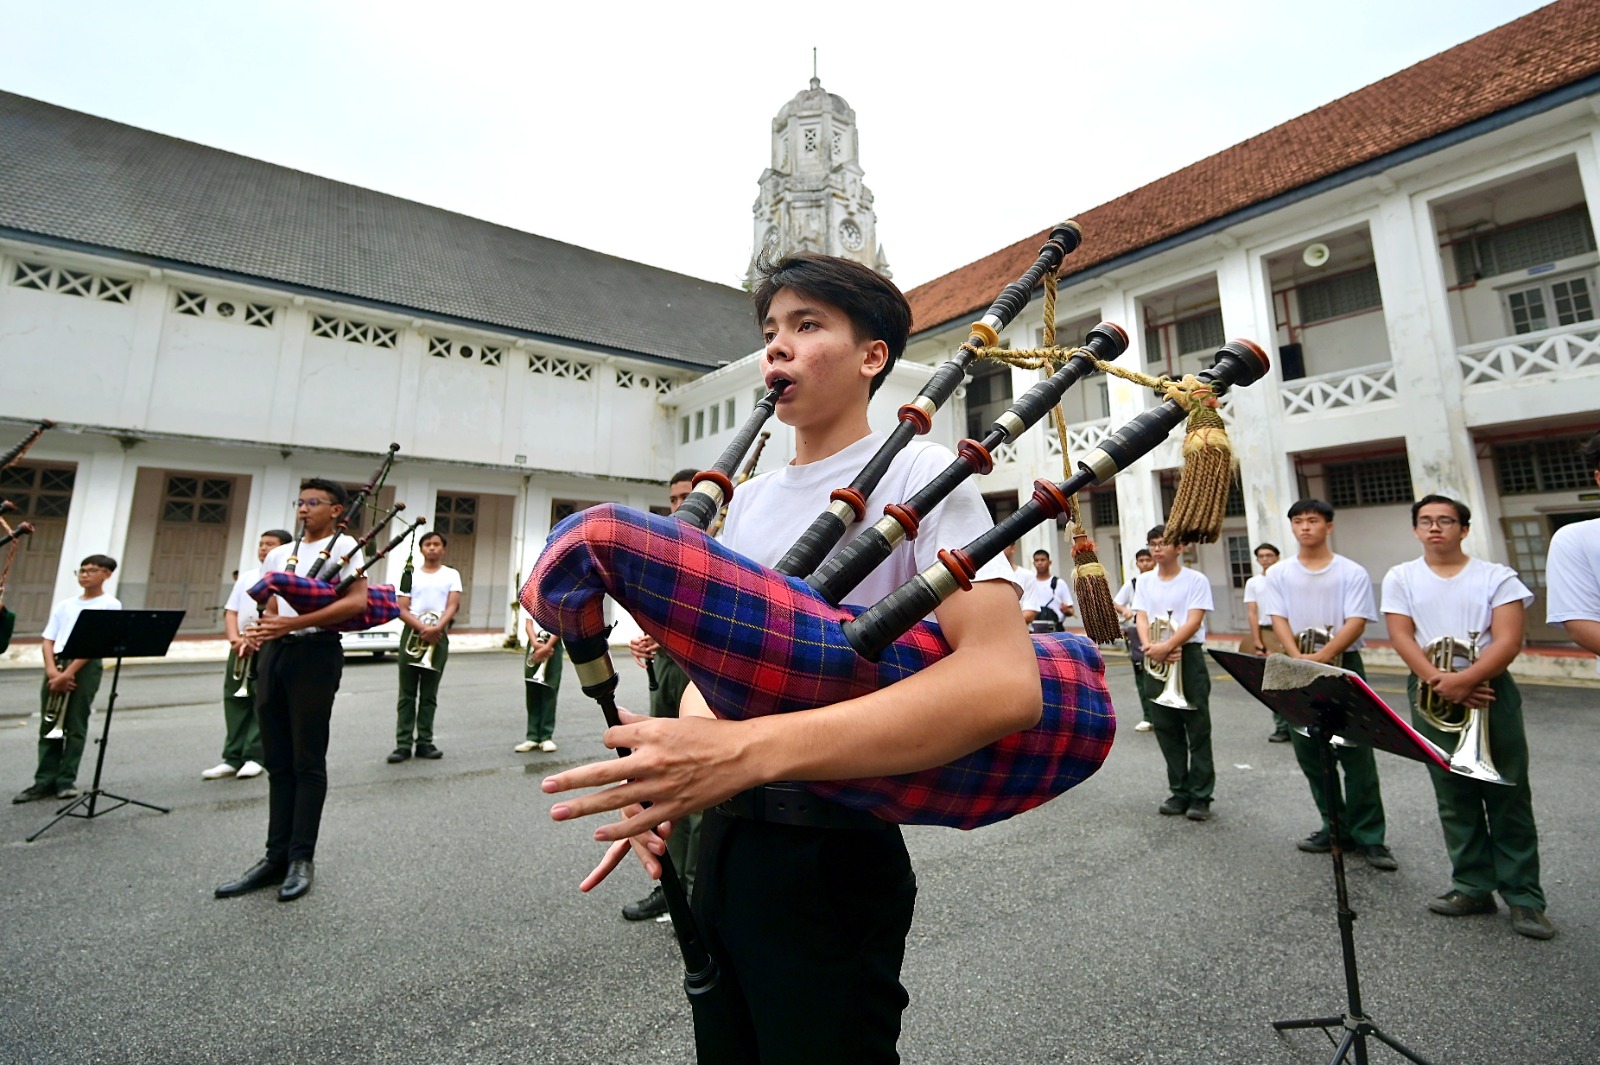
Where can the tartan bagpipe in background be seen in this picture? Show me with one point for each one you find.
(306, 594)
(755, 642)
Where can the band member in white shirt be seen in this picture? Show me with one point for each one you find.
(435, 591)
(1318, 589)
(1572, 571)
(241, 747)
(1144, 561)
(1489, 829)
(1260, 640)
(1046, 598)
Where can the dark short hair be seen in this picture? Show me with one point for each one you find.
(433, 534)
(1591, 452)
(1463, 512)
(333, 488)
(105, 562)
(283, 536)
(688, 474)
(1041, 551)
(1157, 532)
(1311, 506)
(876, 308)
(1143, 552)
(1268, 547)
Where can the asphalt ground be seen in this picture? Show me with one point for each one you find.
(445, 924)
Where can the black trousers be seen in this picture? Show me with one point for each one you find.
(295, 685)
(809, 927)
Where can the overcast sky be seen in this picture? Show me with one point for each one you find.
(641, 130)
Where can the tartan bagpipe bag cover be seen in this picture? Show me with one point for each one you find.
(306, 594)
(755, 642)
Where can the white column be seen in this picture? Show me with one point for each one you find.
(144, 348)
(412, 350)
(286, 384)
(1438, 444)
(1138, 487)
(1267, 473)
(97, 520)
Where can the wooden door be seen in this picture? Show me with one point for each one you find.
(42, 495)
(189, 567)
(456, 516)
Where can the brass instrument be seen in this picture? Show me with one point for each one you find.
(1314, 639)
(1170, 671)
(55, 707)
(537, 676)
(412, 647)
(1471, 757)
(241, 675)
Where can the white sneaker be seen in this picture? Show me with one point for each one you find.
(1143, 726)
(217, 772)
(250, 769)
(548, 746)
(525, 746)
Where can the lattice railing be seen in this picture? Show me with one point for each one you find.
(1341, 390)
(1005, 453)
(1560, 352)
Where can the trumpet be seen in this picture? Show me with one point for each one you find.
(1170, 671)
(1471, 756)
(1310, 641)
(537, 677)
(241, 675)
(412, 647)
(55, 707)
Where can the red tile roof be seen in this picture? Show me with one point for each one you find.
(1518, 62)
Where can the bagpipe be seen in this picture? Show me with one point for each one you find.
(757, 641)
(321, 585)
(11, 537)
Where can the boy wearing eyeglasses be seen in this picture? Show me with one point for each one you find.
(56, 774)
(1489, 830)
(301, 661)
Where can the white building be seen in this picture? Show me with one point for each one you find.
(1419, 260)
(209, 329)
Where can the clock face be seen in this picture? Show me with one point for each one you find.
(850, 235)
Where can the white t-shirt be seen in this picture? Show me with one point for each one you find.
(1020, 577)
(1124, 596)
(1318, 598)
(1452, 606)
(278, 559)
(239, 601)
(1188, 590)
(1572, 574)
(1037, 594)
(431, 591)
(65, 615)
(771, 509)
(1252, 590)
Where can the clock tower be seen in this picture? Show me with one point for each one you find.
(812, 197)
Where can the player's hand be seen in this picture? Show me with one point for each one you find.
(648, 847)
(61, 682)
(679, 765)
(1454, 688)
(643, 649)
(271, 627)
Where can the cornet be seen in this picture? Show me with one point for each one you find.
(1471, 757)
(537, 676)
(55, 707)
(412, 646)
(1170, 671)
(241, 675)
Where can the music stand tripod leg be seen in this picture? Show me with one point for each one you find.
(1356, 1024)
(90, 797)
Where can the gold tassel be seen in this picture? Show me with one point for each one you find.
(1095, 605)
(1202, 499)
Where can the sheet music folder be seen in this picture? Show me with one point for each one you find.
(1337, 700)
(122, 634)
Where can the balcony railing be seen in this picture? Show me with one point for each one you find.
(1341, 390)
(1550, 353)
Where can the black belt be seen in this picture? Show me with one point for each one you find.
(322, 636)
(791, 804)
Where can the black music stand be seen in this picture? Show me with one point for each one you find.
(115, 634)
(1328, 700)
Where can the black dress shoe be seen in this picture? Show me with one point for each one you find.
(399, 754)
(262, 874)
(428, 750)
(297, 882)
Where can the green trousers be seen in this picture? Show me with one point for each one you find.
(419, 696)
(243, 741)
(1359, 803)
(1184, 736)
(1488, 828)
(683, 846)
(541, 698)
(58, 759)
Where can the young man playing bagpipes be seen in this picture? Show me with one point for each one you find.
(807, 922)
(300, 663)
(1489, 830)
(436, 591)
(75, 680)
